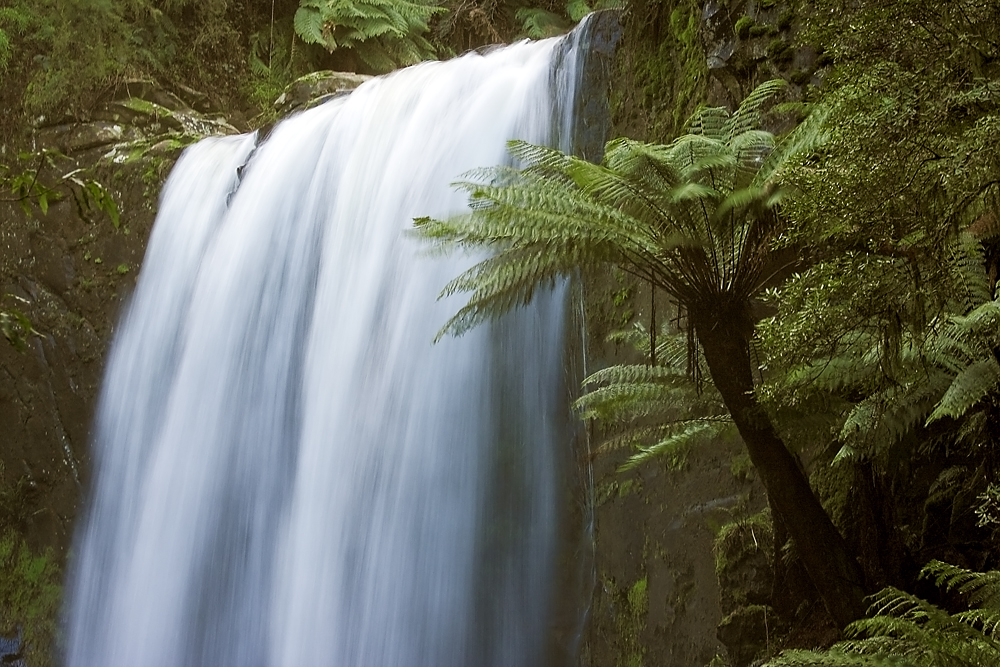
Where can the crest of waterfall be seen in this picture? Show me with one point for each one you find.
(287, 470)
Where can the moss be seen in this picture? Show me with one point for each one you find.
(617, 489)
(684, 24)
(743, 26)
(741, 467)
(627, 608)
(142, 106)
(744, 560)
(753, 533)
(761, 30)
(786, 19)
(779, 51)
(746, 633)
(662, 68)
(29, 598)
(801, 76)
(632, 623)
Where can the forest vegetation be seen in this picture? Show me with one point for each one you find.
(816, 215)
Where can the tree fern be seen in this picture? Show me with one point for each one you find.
(693, 219)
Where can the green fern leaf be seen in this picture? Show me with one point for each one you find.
(967, 389)
(308, 22)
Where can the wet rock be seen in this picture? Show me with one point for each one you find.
(315, 88)
(744, 562)
(148, 90)
(137, 111)
(196, 99)
(83, 136)
(746, 632)
(593, 118)
(11, 651)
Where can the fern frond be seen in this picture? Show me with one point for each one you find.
(887, 415)
(807, 136)
(907, 630)
(629, 373)
(385, 34)
(308, 22)
(709, 122)
(982, 588)
(837, 658)
(624, 402)
(747, 115)
(967, 389)
(695, 432)
(968, 274)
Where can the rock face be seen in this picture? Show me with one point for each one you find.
(69, 274)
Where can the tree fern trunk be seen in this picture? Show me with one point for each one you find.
(724, 336)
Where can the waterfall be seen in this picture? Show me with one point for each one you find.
(287, 470)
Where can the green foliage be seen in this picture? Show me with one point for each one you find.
(15, 325)
(888, 332)
(385, 34)
(988, 512)
(739, 540)
(743, 26)
(780, 51)
(905, 630)
(913, 113)
(858, 340)
(29, 598)
(538, 23)
(659, 411)
(691, 217)
(12, 20)
(60, 57)
(29, 188)
(631, 622)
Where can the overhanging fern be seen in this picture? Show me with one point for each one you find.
(659, 411)
(385, 34)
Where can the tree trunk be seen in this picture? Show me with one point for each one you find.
(724, 337)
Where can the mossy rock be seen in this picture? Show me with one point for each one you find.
(29, 599)
(315, 86)
(744, 561)
(746, 633)
(780, 52)
(743, 26)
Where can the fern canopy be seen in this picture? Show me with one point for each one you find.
(905, 630)
(695, 217)
(893, 357)
(385, 34)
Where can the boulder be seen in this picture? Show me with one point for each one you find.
(315, 88)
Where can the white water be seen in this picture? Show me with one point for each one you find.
(288, 471)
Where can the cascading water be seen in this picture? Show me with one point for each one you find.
(289, 472)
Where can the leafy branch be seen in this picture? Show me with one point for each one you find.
(28, 190)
